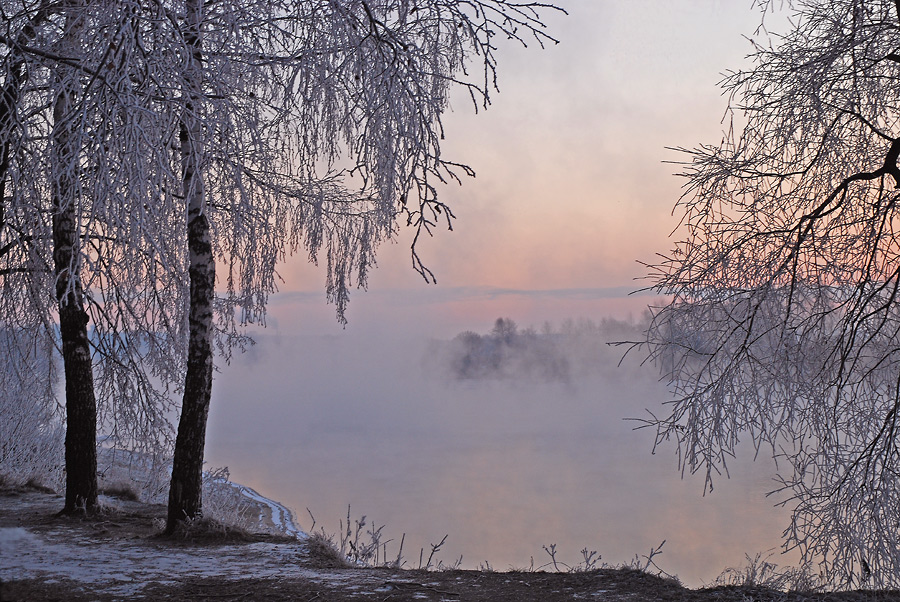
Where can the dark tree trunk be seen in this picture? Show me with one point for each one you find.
(185, 491)
(81, 405)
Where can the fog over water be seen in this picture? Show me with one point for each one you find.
(503, 465)
(571, 190)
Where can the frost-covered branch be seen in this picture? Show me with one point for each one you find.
(783, 329)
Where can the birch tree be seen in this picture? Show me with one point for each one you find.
(186, 488)
(87, 205)
(174, 138)
(271, 93)
(28, 235)
(783, 329)
(81, 404)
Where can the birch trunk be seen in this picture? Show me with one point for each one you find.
(185, 492)
(81, 405)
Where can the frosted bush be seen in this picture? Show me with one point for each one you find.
(31, 430)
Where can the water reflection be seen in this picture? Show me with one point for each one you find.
(503, 467)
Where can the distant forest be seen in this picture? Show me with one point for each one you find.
(550, 355)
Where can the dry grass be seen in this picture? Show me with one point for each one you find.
(122, 491)
(759, 572)
(38, 485)
(323, 553)
(208, 531)
(359, 544)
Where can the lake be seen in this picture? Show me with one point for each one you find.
(501, 466)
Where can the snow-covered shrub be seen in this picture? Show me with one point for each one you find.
(241, 507)
(144, 474)
(223, 502)
(760, 572)
(31, 429)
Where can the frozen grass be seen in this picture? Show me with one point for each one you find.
(760, 572)
(225, 505)
(205, 530)
(132, 475)
(38, 464)
(122, 491)
(357, 543)
(591, 560)
(354, 544)
(38, 485)
(32, 483)
(323, 552)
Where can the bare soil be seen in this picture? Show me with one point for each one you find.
(119, 555)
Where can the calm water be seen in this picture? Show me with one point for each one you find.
(503, 467)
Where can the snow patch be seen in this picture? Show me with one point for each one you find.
(13, 540)
(282, 517)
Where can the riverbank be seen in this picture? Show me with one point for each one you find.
(119, 556)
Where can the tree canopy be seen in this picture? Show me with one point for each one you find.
(783, 325)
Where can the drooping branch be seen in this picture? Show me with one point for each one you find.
(784, 322)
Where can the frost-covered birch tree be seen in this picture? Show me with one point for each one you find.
(98, 151)
(86, 208)
(64, 153)
(159, 158)
(39, 235)
(783, 329)
(272, 93)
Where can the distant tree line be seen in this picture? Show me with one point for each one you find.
(548, 355)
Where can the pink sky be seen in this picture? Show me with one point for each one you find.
(571, 189)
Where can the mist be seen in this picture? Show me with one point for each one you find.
(533, 451)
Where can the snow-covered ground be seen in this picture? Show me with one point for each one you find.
(126, 567)
(108, 553)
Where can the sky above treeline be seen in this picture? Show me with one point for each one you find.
(572, 188)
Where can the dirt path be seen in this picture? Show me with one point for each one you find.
(118, 557)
